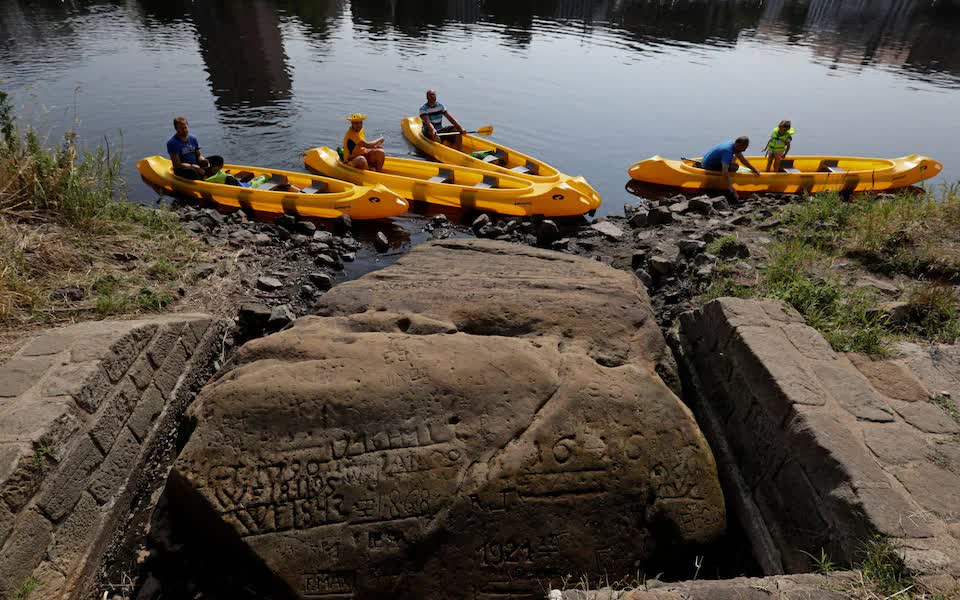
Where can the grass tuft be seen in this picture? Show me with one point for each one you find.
(30, 585)
(64, 221)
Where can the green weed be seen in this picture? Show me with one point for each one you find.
(947, 404)
(843, 317)
(822, 564)
(935, 311)
(26, 588)
(723, 245)
(883, 567)
(149, 299)
(162, 270)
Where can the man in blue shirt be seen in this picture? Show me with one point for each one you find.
(720, 158)
(184, 151)
(432, 114)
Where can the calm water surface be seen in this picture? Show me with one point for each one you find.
(587, 85)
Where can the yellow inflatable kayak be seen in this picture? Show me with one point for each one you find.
(797, 174)
(503, 160)
(455, 186)
(319, 196)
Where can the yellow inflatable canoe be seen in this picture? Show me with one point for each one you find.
(797, 174)
(504, 161)
(319, 196)
(455, 186)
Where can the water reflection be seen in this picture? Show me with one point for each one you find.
(242, 51)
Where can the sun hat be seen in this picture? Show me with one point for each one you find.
(356, 117)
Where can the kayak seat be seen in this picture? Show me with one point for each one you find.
(488, 182)
(529, 168)
(277, 184)
(786, 166)
(316, 187)
(830, 166)
(497, 156)
(443, 176)
(244, 176)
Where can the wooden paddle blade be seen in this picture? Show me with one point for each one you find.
(485, 130)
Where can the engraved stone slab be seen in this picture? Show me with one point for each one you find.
(356, 459)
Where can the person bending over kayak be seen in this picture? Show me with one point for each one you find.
(184, 151)
(779, 144)
(357, 151)
(432, 114)
(720, 158)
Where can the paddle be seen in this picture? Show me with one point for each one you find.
(485, 130)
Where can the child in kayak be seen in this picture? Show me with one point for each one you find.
(779, 145)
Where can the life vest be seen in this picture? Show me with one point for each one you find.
(351, 144)
(778, 142)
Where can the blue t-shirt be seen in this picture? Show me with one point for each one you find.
(186, 149)
(719, 155)
(434, 113)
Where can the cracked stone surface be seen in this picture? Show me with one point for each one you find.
(478, 417)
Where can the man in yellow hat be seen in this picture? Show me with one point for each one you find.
(357, 151)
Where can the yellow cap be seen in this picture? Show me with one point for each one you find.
(356, 117)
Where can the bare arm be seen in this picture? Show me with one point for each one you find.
(726, 177)
(454, 122)
(428, 129)
(786, 150)
(746, 163)
(178, 163)
(374, 144)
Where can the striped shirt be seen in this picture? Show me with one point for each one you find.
(434, 113)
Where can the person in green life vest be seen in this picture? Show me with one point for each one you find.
(779, 145)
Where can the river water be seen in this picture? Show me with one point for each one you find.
(590, 86)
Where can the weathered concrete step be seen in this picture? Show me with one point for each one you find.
(833, 447)
(79, 414)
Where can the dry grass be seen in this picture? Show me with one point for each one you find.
(64, 223)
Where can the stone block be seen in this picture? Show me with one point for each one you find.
(895, 443)
(890, 513)
(108, 481)
(774, 371)
(173, 367)
(150, 406)
(21, 474)
(808, 341)
(194, 332)
(97, 341)
(6, 522)
(124, 351)
(926, 417)
(44, 422)
(852, 390)
(19, 374)
(23, 551)
(933, 487)
(114, 414)
(63, 488)
(891, 378)
(72, 539)
(163, 343)
(53, 342)
(830, 453)
(94, 390)
(141, 372)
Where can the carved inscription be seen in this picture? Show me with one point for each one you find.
(328, 583)
(343, 481)
(506, 553)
